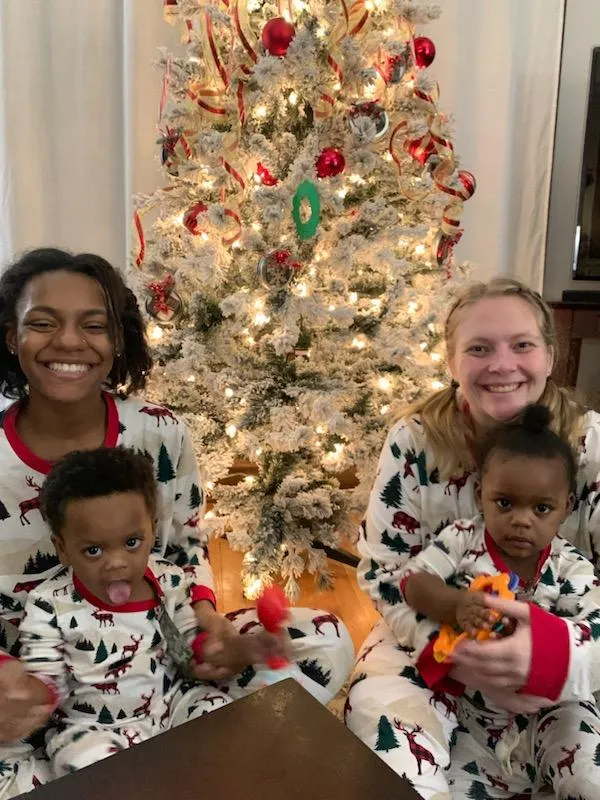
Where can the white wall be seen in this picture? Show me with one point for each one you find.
(497, 65)
(581, 34)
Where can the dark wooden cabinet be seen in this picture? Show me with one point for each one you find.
(574, 322)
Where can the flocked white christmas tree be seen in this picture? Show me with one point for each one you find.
(293, 264)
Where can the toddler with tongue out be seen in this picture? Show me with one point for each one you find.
(108, 637)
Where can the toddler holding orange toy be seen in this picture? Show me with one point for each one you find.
(526, 491)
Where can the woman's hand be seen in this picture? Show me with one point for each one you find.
(20, 710)
(497, 664)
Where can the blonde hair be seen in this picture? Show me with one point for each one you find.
(446, 427)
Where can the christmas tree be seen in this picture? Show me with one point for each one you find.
(294, 261)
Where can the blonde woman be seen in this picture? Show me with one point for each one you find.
(501, 345)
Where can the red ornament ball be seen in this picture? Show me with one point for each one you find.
(331, 162)
(424, 51)
(277, 36)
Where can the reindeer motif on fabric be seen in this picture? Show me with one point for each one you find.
(567, 761)
(33, 503)
(419, 752)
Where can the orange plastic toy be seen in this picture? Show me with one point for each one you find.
(499, 585)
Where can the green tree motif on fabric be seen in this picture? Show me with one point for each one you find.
(165, 471)
(391, 494)
(101, 653)
(386, 738)
(105, 717)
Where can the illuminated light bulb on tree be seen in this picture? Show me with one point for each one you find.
(191, 379)
(331, 307)
(155, 333)
(292, 98)
(260, 111)
(302, 290)
(256, 226)
(431, 327)
(259, 304)
(437, 385)
(210, 485)
(209, 515)
(376, 303)
(342, 192)
(420, 249)
(252, 589)
(258, 452)
(359, 343)
(383, 410)
(384, 384)
(436, 357)
(250, 479)
(231, 430)
(228, 392)
(261, 319)
(412, 307)
(423, 345)
(320, 429)
(353, 296)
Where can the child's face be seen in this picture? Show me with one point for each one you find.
(107, 540)
(524, 501)
(62, 336)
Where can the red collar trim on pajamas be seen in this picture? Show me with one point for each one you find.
(135, 605)
(501, 566)
(40, 464)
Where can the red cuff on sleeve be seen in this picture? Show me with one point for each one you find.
(203, 593)
(435, 673)
(5, 657)
(550, 654)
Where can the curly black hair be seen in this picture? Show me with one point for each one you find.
(84, 474)
(133, 362)
(530, 436)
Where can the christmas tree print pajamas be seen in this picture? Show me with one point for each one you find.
(109, 668)
(410, 504)
(323, 649)
(498, 754)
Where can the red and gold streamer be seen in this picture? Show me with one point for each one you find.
(242, 26)
(141, 240)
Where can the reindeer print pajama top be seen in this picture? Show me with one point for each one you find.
(108, 667)
(27, 553)
(410, 505)
(515, 753)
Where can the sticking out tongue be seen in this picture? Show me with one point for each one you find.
(118, 592)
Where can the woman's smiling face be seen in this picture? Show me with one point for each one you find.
(499, 358)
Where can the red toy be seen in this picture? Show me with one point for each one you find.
(272, 610)
(198, 646)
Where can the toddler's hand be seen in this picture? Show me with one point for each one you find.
(472, 613)
(20, 711)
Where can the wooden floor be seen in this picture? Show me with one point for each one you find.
(345, 600)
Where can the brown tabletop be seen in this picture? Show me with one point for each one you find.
(276, 744)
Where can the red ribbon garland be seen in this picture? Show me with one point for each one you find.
(141, 241)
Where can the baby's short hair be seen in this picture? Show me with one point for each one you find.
(84, 474)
